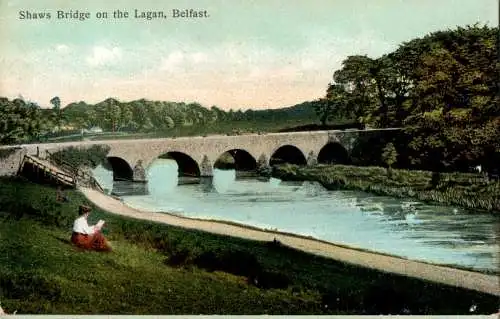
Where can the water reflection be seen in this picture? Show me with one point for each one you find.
(406, 228)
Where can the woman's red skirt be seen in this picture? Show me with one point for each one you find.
(92, 242)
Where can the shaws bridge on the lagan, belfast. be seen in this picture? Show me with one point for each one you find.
(197, 156)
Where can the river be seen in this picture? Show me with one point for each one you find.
(407, 228)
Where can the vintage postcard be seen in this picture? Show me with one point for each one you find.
(182, 157)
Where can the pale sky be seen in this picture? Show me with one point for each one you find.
(247, 54)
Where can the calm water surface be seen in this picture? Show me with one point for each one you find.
(437, 234)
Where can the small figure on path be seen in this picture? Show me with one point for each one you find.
(88, 237)
(60, 197)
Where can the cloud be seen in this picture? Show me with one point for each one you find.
(62, 48)
(172, 61)
(199, 57)
(308, 64)
(102, 56)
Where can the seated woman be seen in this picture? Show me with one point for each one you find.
(88, 237)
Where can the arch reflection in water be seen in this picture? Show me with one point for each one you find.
(162, 176)
(442, 235)
(110, 185)
(224, 180)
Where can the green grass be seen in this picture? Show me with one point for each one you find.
(160, 269)
(462, 189)
(46, 275)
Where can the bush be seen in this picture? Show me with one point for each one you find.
(237, 262)
(462, 189)
(77, 157)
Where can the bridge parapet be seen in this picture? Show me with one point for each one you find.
(139, 154)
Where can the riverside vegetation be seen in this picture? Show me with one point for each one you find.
(82, 157)
(467, 190)
(160, 269)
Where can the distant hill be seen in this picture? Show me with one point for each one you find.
(144, 115)
(303, 110)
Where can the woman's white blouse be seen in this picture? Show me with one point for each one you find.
(81, 226)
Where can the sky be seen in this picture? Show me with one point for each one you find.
(246, 54)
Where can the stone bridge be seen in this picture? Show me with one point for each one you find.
(198, 156)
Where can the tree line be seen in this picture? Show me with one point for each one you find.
(442, 88)
(146, 116)
(22, 121)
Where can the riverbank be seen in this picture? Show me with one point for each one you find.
(460, 189)
(154, 263)
(382, 262)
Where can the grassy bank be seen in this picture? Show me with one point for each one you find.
(461, 189)
(159, 269)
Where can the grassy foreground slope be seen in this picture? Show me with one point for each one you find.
(159, 269)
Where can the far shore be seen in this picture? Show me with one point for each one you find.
(435, 273)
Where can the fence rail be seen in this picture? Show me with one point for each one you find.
(79, 174)
(64, 177)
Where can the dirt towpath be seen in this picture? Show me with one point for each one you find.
(439, 274)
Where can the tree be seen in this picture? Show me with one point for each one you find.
(334, 105)
(389, 157)
(168, 122)
(112, 113)
(56, 102)
(442, 88)
(20, 121)
(453, 115)
(358, 82)
(126, 117)
(91, 117)
(323, 108)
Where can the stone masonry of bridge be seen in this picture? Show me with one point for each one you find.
(205, 151)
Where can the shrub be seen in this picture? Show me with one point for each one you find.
(236, 262)
(77, 157)
(462, 189)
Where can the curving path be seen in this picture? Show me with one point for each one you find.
(440, 274)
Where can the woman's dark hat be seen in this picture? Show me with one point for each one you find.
(84, 209)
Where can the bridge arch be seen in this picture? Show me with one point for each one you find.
(121, 168)
(287, 154)
(333, 153)
(237, 159)
(187, 166)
